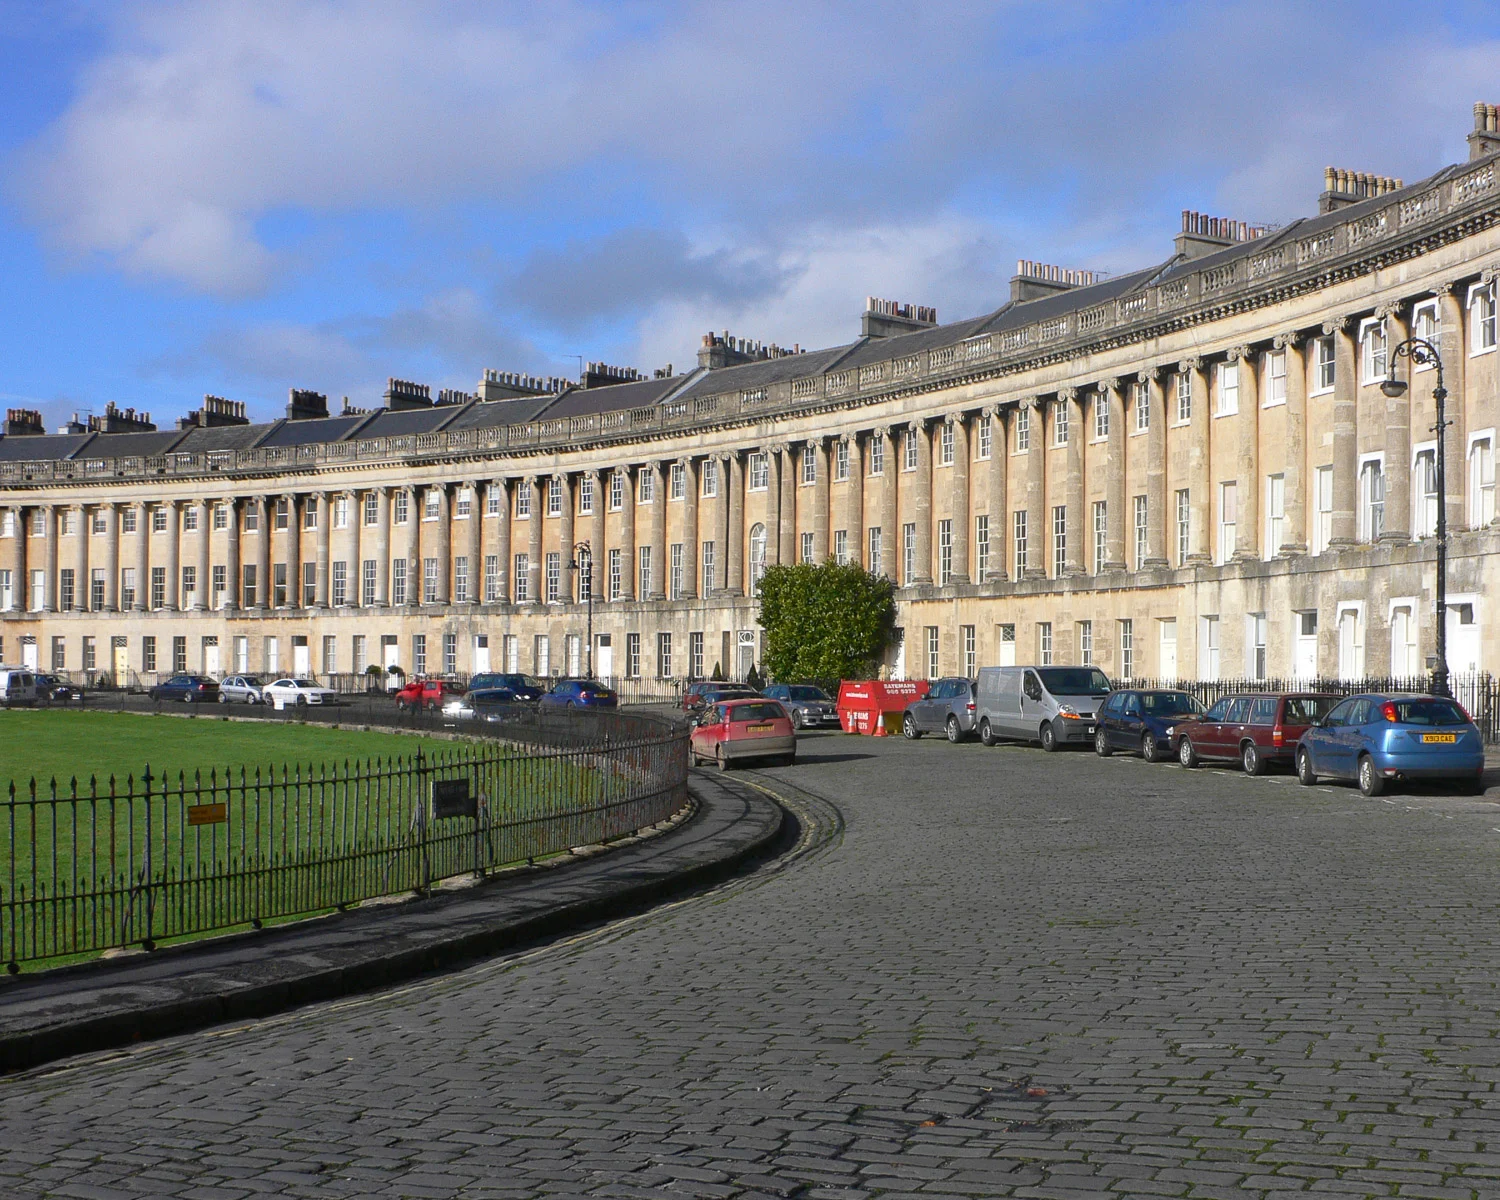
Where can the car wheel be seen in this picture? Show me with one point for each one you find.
(301, 701)
(1472, 787)
(1370, 781)
(721, 759)
(1186, 755)
(1251, 760)
(188, 697)
(1305, 774)
(1101, 744)
(789, 760)
(1048, 737)
(986, 734)
(1150, 751)
(955, 734)
(909, 728)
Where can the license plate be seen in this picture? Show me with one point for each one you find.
(1441, 739)
(758, 728)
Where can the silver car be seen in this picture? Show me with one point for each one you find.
(808, 706)
(247, 689)
(948, 708)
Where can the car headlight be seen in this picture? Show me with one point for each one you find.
(1171, 729)
(1066, 710)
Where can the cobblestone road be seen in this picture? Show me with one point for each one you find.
(991, 973)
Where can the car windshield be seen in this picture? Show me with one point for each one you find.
(1308, 710)
(806, 693)
(1429, 710)
(1074, 681)
(1170, 704)
(767, 711)
(250, 680)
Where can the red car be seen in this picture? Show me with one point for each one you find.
(735, 730)
(426, 693)
(1256, 728)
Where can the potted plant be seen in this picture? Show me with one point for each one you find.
(373, 676)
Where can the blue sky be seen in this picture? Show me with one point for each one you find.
(239, 198)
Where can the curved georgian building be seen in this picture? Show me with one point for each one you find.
(1185, 470)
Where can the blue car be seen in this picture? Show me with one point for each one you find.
(1133, 719)
(580, 693)
(1379, 739)
(525, 688)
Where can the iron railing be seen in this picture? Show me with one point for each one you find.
(1477, 691)
(88, 865)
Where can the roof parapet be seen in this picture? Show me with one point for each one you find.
(884, 318)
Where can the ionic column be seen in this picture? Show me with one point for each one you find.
(630, 565)
(173, 556)
(502, 537)
(20, 592)
(354, 574)
(1115, 517)
(1294, 512)
(81, 561)
(413, 549)
(565, 534)
(1077, 531)
(1345, 431)
(475, 547)
(294, 552)
(820, 498)
(534, 541)
(1200, 487)
(598, 537)
(1397, 439)
(959, 500)
(854, 500)
(1454, 352)
(232, 555)
(49, 557)
(922, 504)
(890, 529)
(382, 547)
(658, 531)
(690, 565)
(786, 533)
(1037, 532)
(201, 562)
(264, 510)
(444, 549)
(995, 497)
(772, 456)
(1156, 470)
(734, 565)
(322, 547)
(1247, 456)
(111, 556)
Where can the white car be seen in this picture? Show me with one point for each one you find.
(297, 693)
(247, 688)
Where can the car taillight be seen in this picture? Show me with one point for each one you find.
(1388, 711)
(969, 707)
(1278, 738)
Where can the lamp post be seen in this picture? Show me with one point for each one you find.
(1421, 352)
(583, 561)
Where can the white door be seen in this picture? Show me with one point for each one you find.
(1305, 649)
(1168, 651)
(481, 653)
(121, 665)
(1463, 638)
(898, 669)
(301, 661)
(604, 657)
(389, 653)
(1350, 666)
(28, 655)
(211, 659)
(746, 658)
(1007, 646)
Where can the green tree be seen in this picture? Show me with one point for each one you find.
(827, 622)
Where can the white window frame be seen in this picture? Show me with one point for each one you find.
(760, 472)
(841, 459)
(1369, 359)
(1410, 604)
(1274, 395)
(984, 443)
(1322, 526)
(1256, 623)
(1061, 421)
(1364, 516)
(1228, 530)
(1478, 518)
(676, 481)
(1183, 504)
(911, 454)
(1434, 335)
(1275, 532)
(1420, 526)
(585, 495)
(1142, 405)
(1209, 646)
(1317, 360)
(1023, 430)
(1227, 388)
(708, 484)
(945, 444)
(809, 465)
(1183, 393)
(1482, 327)
(1141, 519)
(877, 454)
(1356, 669)
(1101, 417)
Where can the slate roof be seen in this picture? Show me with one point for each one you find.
(640, 393)
(43, 446)
(307, 433)
(384, 423)
(487, 414)
(223, 437)
(125, 445)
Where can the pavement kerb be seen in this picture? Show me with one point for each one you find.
(734, 826)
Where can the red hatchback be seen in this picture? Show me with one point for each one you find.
(1256, 728)
(426, 693)
(735, 730)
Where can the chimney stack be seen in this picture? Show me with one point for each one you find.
(1342, 188)
(1033, 280)
(1485, 139)
(306, 405)
(884, 318)
(1202, 234)
(402, 395)
(23, 422)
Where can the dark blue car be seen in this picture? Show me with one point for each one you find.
(1136, 719)
(580, 693)
(190, 689)
(1381, 739)
(523, 687)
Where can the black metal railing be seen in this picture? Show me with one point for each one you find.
(1477, 691)
(136, 859)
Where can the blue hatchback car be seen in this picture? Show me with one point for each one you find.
(580, 693)
(1381, 739)
(1144, 720)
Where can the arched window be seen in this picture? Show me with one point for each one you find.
(757, 556)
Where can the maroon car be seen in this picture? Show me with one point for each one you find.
(1258, 728)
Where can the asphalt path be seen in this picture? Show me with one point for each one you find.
(982, 972)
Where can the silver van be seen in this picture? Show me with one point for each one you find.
(1051, 705)
(17, 687)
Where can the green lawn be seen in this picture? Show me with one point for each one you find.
(52, 743)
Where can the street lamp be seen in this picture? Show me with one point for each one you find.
(583, 561)
(1423, 353)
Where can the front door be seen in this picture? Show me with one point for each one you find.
(211, 657)
(301, 658)
(898, 667)
(121, 663)
(1007, 646)
(28, 654)
(481, 653)
(604, 656)
(746, 658)
(1168, 653)
(1305, 651)
(1463, 639)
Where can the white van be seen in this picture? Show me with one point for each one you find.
(1050, 705)
(17, 687)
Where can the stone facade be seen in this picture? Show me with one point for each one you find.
(1187, 470)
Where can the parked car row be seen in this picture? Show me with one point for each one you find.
(21, 687)
(1373, 739)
